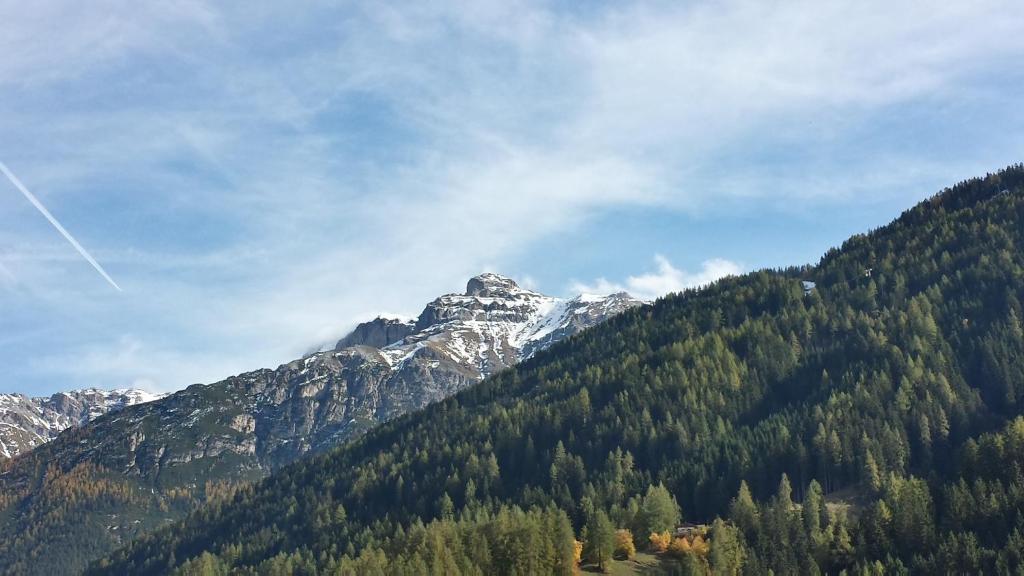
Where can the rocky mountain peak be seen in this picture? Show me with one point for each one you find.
(491, 285)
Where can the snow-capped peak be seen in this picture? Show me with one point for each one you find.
(490, 284)
(493, 325)
(27, 422)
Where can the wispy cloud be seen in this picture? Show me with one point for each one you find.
(6, 274)
(129, 362)
(667, 279)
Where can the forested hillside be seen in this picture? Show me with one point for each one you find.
(868, 424)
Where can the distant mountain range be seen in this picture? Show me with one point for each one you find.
(28, 422)
(168, 455)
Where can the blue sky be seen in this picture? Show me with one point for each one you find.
(258, 177)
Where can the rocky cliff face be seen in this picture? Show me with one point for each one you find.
(377, 333)
(28, 422)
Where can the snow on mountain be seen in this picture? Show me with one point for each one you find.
(495, 324)
(28, 422)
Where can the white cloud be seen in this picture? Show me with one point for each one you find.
(666, 280)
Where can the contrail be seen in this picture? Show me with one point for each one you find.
(42, 209)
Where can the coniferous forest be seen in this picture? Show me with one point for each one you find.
(869, 423)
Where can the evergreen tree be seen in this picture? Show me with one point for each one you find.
(659, 511)
(600, 542)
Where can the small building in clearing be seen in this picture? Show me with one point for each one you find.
(688, 530)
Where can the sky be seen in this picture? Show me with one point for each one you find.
(257, 177)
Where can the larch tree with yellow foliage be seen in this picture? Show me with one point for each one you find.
(625, 549)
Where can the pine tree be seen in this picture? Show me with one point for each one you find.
(727, 554)
(814, 509)
(744, 512)
(600, 543)
(659, 511)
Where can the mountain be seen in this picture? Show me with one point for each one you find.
(869, 422)
(28, 422)
(129, 472)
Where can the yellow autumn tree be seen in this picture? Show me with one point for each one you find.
(659, 541)
(699, 546)
(577, 554)
(624, 547)
(680, 547)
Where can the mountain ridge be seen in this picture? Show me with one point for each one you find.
(27, 422)
(163, 458)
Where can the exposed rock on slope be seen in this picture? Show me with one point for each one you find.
(378, 333)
